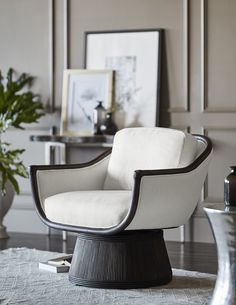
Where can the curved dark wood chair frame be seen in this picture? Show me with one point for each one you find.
(118, 258)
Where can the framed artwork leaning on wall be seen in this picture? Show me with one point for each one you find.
(82, 89)
(135, 58)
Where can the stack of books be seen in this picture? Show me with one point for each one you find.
(57, 265)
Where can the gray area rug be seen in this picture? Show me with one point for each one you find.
(21, 282)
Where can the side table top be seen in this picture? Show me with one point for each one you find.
(219, 208)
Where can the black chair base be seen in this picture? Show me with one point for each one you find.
(131, 259)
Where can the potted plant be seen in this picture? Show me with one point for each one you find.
(18, 105)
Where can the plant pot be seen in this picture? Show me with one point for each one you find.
(5, 204)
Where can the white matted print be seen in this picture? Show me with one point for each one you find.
(135, 58)
(82, 89)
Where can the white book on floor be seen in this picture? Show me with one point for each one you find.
(57, 265)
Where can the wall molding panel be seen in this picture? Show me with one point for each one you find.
(51, 44)
(204, 65)
(186, 108)
(203, 54)
(66, 52)
(186, 53)
(224, 143)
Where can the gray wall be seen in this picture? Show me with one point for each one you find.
(198, 72)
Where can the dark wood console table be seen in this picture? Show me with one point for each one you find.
(79, 140)
(72, 149)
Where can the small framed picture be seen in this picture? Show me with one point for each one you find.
(82, 90)
(135, 58)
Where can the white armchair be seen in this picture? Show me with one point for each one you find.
(120, 203)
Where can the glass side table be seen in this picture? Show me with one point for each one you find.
(223, 224)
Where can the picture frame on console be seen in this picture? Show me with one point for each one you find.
(135, 58)
(82, 89)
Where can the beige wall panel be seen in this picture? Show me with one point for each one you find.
(224, 145)
(59, 41)
(24, 220)
(24, 36)
(195, 55)
(221, 50)
(202, 231)
(91, 15)
(34, 151)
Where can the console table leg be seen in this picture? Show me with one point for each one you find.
(64, 235)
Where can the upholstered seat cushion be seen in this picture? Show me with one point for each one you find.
(147, 148)
(97, 209)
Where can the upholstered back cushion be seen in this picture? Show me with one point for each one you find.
(147, 148)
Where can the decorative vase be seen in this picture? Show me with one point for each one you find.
(230, 188)
(99, 113)
(5, 204)
(109, 127)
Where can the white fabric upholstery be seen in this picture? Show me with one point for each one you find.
(51, 182)
(167, 201)
(100, 196)
(189, 150)
(97, 209)
(147, 148)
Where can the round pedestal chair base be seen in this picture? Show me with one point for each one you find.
(131, 259)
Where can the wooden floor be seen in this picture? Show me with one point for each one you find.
(189, 256)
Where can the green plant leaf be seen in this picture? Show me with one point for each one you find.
(18, 105)
(14, 183)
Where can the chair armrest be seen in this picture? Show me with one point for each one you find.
(48, 180)
(166, 198)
